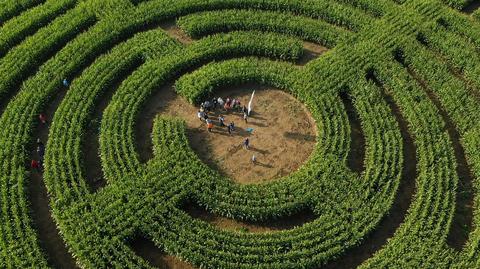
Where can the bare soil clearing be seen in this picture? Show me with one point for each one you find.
(283, 137)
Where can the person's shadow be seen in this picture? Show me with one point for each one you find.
(257, 162)
(261, 151)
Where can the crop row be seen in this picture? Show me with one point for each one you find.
(201, 24)
(335, 13)
(18, 61)
(11, 8)
(22, 26)
(462, 108)
(460, 53)
(145, 198)
(18, 120)
(199, 173)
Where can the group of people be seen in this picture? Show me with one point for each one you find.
(37, 164)
(227, 105)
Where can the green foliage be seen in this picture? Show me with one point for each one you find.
(105, 45)
(201, 24)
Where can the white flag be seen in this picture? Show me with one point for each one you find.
(250, 103)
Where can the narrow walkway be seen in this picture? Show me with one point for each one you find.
(284, 223)
(171, 28)
(49, 237)
(356, 155)
(472, 7)
(155, 257)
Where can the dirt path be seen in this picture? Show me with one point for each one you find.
(311, 52)
(171, 28)
(146, 249)
(285, 223)
(283, 137)
(472, 7)
(50, 239)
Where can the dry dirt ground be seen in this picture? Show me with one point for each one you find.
(283, 137)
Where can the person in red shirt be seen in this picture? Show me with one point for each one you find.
(35, 165)
(209, 125)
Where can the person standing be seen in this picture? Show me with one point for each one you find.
(40, 149)
(227, 105)
(244, 110)
(238, 104)
(200, 115)
(220, 102)
(221, 119)
(209, 125)
(42, 118)
(246, 143)
(208, 106)
(214, 103)
(245, 117)
(34, 165)
(254, 159)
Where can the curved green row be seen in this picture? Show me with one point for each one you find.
(145, 198)
(281, 237)
(201, 24)
(11, 8)
(22, 26)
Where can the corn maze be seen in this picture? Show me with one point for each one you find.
(392, 181)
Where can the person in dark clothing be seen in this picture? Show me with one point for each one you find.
(42, 118)
(40, 149)
(246, 143)
(214, 103)
(208, 106)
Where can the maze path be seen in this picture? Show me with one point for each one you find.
(96, 224)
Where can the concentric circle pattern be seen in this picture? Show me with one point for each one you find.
(391, 183)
